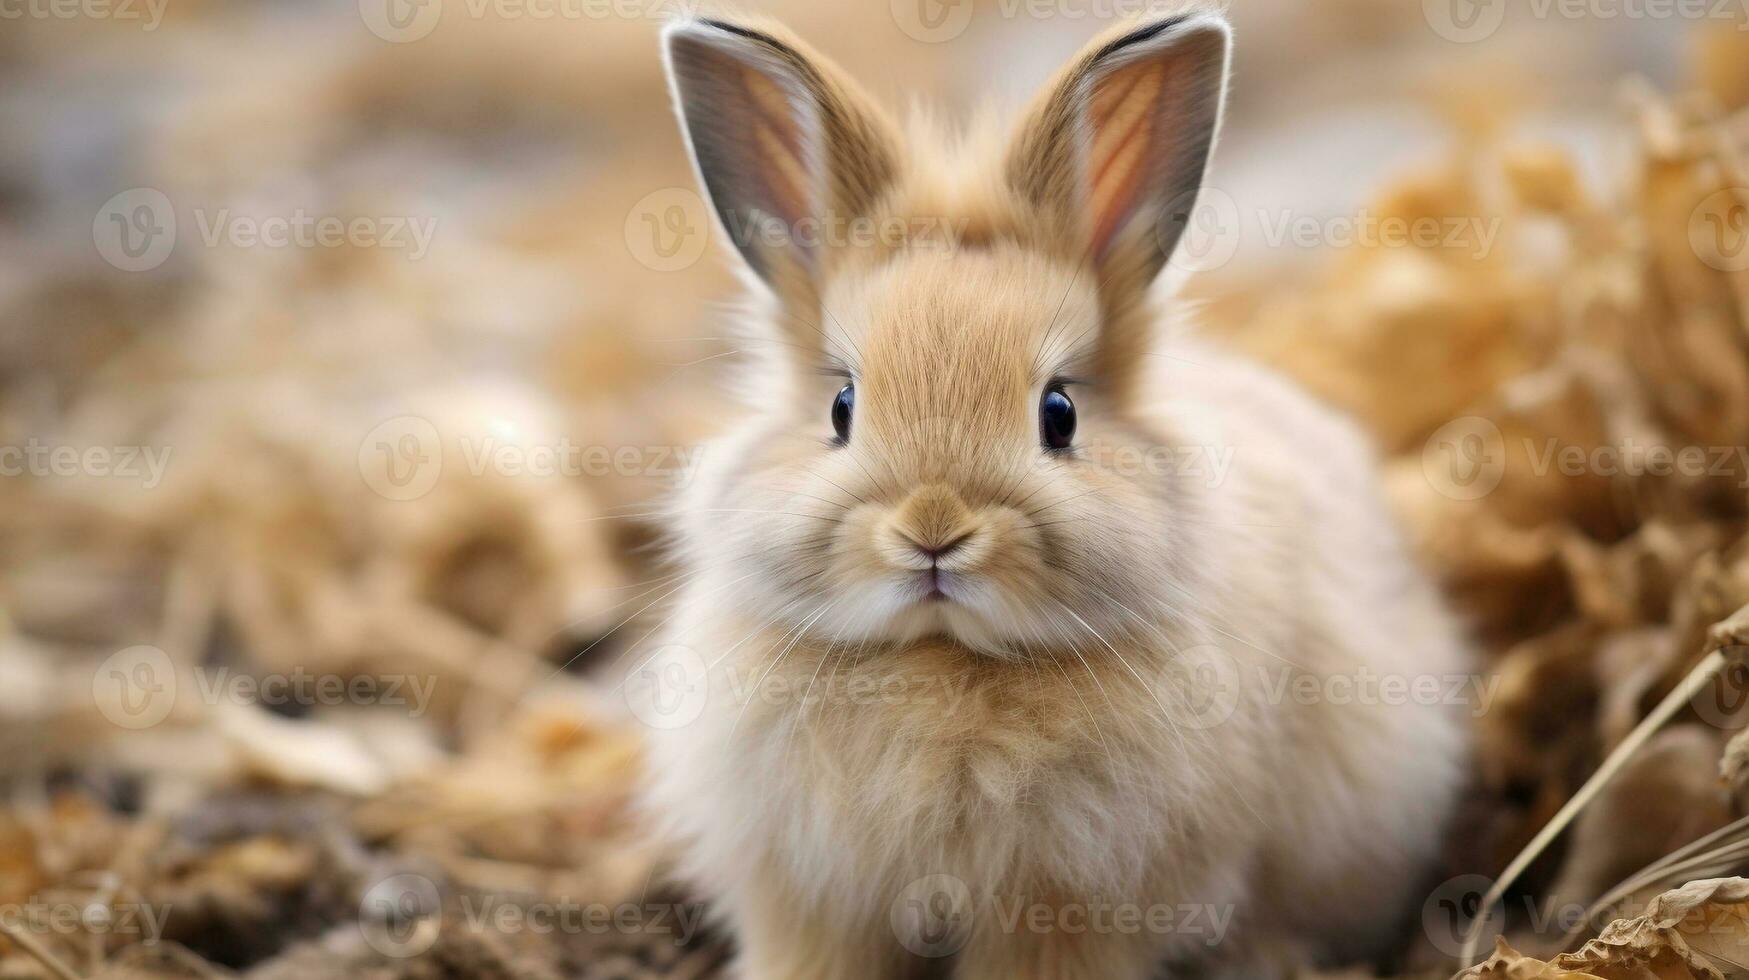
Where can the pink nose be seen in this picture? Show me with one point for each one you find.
(928, 526)
(937, 552)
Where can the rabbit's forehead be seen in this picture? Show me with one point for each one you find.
(937, 331)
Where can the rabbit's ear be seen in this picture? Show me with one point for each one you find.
(1114, 151)
(785, 147)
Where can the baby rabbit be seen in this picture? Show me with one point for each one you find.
(1016, 638)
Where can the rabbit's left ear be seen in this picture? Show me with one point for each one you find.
(1114, 151)
(784, 143)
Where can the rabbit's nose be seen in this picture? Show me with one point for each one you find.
(934, 552)
(934, 519)
(931, 527)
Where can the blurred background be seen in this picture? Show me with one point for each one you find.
(348, 348)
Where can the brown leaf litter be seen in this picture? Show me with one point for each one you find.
(1518, 396)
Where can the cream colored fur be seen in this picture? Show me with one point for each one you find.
(1049, 735)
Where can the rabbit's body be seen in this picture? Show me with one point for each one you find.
(1065, 712)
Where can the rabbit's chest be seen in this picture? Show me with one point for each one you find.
(996, 779)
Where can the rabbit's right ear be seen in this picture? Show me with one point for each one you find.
(1114, 151)
(785, 147)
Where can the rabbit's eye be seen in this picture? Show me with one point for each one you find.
(842, 407)
(1056, 418)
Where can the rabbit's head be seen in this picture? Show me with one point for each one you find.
(949, 342)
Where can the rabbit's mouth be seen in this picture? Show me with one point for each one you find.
(932, 587)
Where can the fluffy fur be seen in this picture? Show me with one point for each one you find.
(1046, 735)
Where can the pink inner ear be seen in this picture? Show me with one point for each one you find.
(779, 157)
(1124, 158)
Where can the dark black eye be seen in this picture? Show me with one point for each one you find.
(1056, 418)
(842, 406)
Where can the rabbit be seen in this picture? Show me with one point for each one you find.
(971, 670)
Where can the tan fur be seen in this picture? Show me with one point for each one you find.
(1038, 737)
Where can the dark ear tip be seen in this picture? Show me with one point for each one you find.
(1188, 22)
(716, 30)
